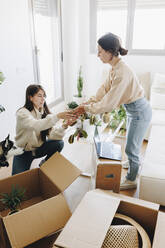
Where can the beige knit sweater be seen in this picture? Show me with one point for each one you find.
(29, 125)
(121, 87)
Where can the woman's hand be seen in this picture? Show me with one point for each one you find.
(66, 115)
(69, 122)
(79, 110)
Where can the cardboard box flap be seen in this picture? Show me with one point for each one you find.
(159, 231)
(37, 221)
(60, 171)
(89, 223)
(129, 199)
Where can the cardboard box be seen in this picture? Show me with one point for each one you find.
(89, 223)
(45, 209)
(108, 176)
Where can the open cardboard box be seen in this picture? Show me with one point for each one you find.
(45, 209)
(90, 222)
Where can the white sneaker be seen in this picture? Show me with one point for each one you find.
(127, 184)
(125, 164)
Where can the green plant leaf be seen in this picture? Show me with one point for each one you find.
(2, 109)
(84, 133)
(80, 83)
(72, 105)
(2, 78)
(13, 199)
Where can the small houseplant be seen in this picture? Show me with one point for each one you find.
(80, 83)
(13, 199)
(82, 124)
(2, 78)
(115, 117)
(72, 105)
(80, 131)
(78, 98)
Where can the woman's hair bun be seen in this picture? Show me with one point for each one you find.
(123, 51)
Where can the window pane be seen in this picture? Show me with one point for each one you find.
(46, 23)
(148, 26)
(112, 17)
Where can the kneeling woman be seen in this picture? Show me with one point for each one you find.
(35, 130)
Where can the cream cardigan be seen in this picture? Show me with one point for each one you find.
(29, 125)
(121, 86)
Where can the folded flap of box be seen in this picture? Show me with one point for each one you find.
(159, 231)
(60, 171)
(37, 221)
(129, 199)
(89, 223)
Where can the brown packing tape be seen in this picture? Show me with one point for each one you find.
(37, 221)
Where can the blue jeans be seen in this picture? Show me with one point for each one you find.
(139, 114)
(23, 162)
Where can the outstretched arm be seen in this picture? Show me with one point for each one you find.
(66, 115)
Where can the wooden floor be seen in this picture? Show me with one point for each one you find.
(6, 172)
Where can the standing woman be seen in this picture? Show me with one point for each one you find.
(35, 131)
(121, 87)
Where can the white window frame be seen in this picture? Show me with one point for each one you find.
(35, 51)
(129, 31)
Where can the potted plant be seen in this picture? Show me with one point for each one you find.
(13, 199)
(72, 105)
(2, 78)
(115, 117)
(79, 97)
(85, 126)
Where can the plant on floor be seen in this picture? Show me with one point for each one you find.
(115, 117)
(2, 78)
(13, 199)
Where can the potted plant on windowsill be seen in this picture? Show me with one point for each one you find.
(13, 199)
(2, 78)
(80, 82)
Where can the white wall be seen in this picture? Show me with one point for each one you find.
(93, 68)
(16, 60)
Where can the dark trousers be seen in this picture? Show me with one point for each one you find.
(23, 162)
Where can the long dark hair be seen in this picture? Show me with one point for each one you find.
(31, 90)
(111, 43)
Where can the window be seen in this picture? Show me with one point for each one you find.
(137, 22)
(47, 47)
